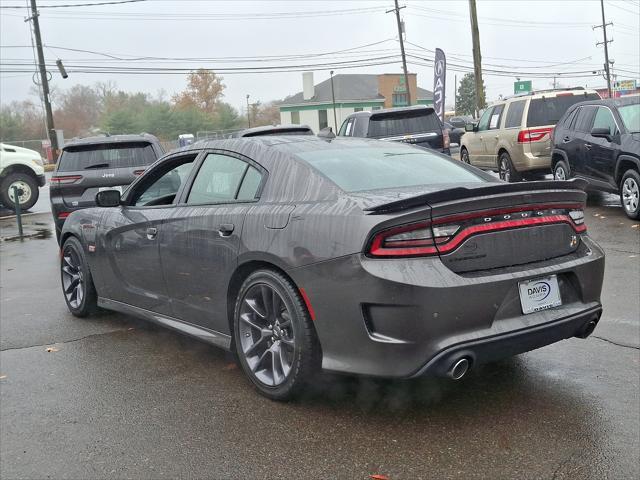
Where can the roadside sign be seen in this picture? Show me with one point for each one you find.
(522, 87)
(625, 85)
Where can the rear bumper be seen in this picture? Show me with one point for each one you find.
(513, 343)
(408, 316)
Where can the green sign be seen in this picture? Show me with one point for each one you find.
(522, 87)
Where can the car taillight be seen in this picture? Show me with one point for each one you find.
(444, 235)
(446, 141)
(65, 179)
(416, 239)
(534, 134)
(63, 215)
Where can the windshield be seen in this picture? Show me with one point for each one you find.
(392, 166)
(406, 123)
(108, 155)
(630, 115)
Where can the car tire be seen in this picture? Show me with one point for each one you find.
(561, 171)
(630, 194)
(274, 337)
(464, 156)
(28, 185)
(506, 170)
(76, 280)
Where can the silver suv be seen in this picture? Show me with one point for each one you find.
(513, 137)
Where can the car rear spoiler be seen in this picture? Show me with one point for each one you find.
(459, 193)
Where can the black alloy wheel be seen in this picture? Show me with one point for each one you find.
(274, 337)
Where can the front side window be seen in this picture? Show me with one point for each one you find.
(163, 183)
(514, 114)
(483, 124)
(222, 178)
(390, 165)
(604, 119)
(496, 115)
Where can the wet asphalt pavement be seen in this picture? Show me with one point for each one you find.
(118, 398)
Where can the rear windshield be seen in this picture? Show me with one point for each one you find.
(547, 111)
(406, 123)
(370, 168)
(108, 155)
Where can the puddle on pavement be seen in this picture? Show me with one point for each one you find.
(40, 234)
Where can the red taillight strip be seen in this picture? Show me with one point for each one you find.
(63, 214)
(503, 211)
(66, 178)
(506, 225)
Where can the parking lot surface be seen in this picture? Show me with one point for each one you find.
(113, 397)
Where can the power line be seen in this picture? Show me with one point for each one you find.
(118, 2)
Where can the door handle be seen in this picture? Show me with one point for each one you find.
(152, 232)
(588, 146)
(566, 139)
(226, 229)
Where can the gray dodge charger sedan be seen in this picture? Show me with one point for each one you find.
(350, 255)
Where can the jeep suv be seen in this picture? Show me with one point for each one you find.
(89, 165)
(418, 125)
(22, 168)
(513, 137)
(600, 142)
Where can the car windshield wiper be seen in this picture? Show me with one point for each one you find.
(97, 165)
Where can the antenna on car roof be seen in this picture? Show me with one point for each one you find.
(327, 134)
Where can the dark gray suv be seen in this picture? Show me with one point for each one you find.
(88, 165)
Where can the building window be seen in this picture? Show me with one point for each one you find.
(377, 107)
(357, 109)
(399, 99)
(322, 119)
(295, 118)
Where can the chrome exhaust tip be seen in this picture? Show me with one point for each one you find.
(459, 369)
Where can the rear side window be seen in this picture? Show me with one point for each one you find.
(403, 124)
(222, 178)
(108, 155)
(514, 114)
(570, 118)
(388, 166)
(547, 111)
(585, 119)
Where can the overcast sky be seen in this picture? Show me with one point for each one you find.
(516, 36)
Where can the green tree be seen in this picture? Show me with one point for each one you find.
(226, 117)
(466, 95)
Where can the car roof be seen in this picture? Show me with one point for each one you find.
(105, 139)
(392, 111)
(611, 102)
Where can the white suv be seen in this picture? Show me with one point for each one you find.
(22, 168)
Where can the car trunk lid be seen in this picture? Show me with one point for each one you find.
(484, 226)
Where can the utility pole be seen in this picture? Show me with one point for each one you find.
(477, 59)
(333, 98)
(51, 132)
(404, 58)
(606, 47)
(455, 93)
(248, 113)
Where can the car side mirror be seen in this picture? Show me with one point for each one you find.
(470, 127)
(601, 132)
(108, 198)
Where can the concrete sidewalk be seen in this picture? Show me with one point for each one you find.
(34, 225)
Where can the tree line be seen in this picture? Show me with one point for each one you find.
(84, 110)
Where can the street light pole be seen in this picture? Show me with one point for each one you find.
(248, 113)
(333, 98)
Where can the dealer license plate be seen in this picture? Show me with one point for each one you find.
(539, 294)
